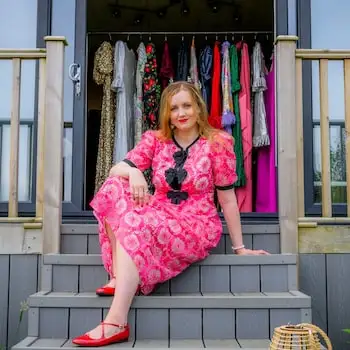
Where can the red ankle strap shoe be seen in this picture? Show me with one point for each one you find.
(120, 337)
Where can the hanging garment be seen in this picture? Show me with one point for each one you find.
(140, 71)
(266, 193)
(228, 118)
(151, 89)
(103, 75)
(245, 194)
(237, 131)
(194, 67)
(205, 68)
(166, 73)
(124, 86)
(261, 136)
(182, 63)
(215, 119)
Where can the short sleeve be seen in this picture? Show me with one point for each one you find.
(142, 154)
(223, 162)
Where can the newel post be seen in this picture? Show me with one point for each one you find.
(286, 112)
(53, 141)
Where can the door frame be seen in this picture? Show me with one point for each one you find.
(79, 127)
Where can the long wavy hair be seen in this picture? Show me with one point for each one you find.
(204, 128)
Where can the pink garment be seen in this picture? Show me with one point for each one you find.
(245, 194)
(266, 193)
(164, 238)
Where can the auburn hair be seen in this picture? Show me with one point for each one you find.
(204, 128)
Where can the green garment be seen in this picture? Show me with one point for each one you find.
(236, 130)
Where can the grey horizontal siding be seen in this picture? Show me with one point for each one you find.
(19, 279)
(325, 277)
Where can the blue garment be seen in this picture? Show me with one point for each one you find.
(205, 69)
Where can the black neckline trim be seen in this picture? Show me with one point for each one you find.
(189, 146)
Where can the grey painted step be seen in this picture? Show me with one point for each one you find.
(82, 238)
(291, 299)
(186, 316)
(217, 273)
(34, 343)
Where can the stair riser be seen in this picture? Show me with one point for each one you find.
(235, 279)
(169, 323)
(80, 239)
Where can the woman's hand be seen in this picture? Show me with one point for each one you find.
(138, 187)
(244, 251)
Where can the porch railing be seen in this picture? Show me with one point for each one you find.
(323, 57)
(289, 79)
(49, 138)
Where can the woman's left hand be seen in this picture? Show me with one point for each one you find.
(244, 251)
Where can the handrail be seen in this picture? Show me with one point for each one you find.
(49, 139)
(323, 57)
(316, 54)
(23, 54)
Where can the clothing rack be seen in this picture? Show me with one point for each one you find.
(180, 33)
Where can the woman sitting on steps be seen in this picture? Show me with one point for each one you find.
(148, 239)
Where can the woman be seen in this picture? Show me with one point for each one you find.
(147, 239)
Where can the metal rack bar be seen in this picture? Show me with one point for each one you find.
(179, 33)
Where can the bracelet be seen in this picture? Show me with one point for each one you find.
(239, 247)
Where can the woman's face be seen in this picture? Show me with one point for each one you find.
(183, 111)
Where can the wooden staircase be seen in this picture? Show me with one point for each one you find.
(225, 301)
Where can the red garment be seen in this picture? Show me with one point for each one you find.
(166, 71)
(215, 108)
(245, 194)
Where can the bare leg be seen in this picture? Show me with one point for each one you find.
(113, 241)
(127, 280)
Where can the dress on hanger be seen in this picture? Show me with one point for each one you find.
(205, 68)
(180, 224)
(261, 135)
(124, 86)
(228, 118)
(151, 89)
(194, 66)
(182, 63)
(266, 193)
(166, 72)
(237, 128)
(139, 105)
(103, 75)
(215, 117)
(245, 194)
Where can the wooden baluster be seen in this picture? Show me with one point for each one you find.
(347, 129)
(325, 148)
(300, 136)
(14, 143)
(41, 140)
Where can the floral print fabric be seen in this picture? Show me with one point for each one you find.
(164, 238)
(151, 89)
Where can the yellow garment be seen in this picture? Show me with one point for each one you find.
(103, 75)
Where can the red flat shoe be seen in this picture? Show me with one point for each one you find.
(109, 291)
(105, 291)
(86, 340)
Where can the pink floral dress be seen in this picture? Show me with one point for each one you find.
(180, 224)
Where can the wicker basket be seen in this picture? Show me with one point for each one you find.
(303, 336)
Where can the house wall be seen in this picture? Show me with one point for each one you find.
(19, 279)
(325, 277)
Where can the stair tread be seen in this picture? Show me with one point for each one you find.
(291, 299)
(34, 343)
(256, 228)
(212, 260)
